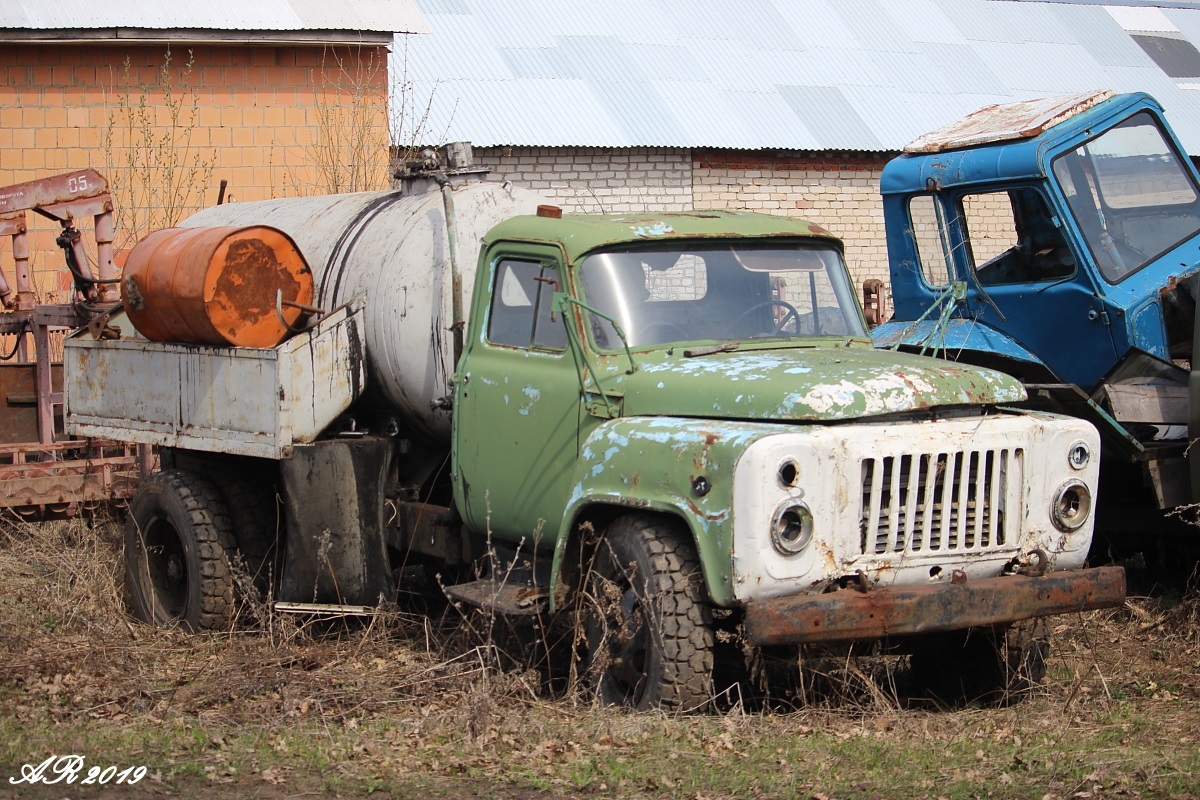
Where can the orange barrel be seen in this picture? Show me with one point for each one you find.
(216, 285)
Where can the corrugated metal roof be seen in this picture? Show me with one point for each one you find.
(1108, 44)
(926, 21)
(386, 16)
(1187, 21)
(763, 74)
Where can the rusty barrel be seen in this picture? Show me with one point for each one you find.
(216, 285)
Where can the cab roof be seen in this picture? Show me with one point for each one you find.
(1006, 122)
(579, 234)
(1023, 139)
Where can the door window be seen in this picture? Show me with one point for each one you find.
(1014, 238)
(929, 240)
(521, 310)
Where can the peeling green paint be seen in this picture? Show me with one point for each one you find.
(577, 234)
(657, 229)
(650, 462)
(804, 384)
(533, 395)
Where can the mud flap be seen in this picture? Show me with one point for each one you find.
(336, 548)
(1194, 410)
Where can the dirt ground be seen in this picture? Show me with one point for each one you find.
(443, 706)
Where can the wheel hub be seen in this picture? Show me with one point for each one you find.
(174, 568)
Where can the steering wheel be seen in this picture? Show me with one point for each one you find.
(790, 315)
(668, 332)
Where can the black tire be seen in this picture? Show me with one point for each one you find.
(178, 542)
(254, 516)
(987, 666)
(649, 630)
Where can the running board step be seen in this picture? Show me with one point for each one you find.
(326, 609)
(511, 597)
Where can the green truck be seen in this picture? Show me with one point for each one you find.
(662, 423)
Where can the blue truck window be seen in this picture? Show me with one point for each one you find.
(1130, 194)
(1014, 238)
(928, 237)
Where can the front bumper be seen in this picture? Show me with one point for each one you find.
(850, 615)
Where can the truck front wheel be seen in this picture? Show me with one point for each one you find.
(993, 667)
(178, 541)
(648, 627)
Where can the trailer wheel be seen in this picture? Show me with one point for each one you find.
(648, 629)
(177, 546)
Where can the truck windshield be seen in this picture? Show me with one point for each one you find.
(1130, 194)
(660, 295)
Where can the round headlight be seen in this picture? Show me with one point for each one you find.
(1080, 455)
(792, 529)
(1072, 505)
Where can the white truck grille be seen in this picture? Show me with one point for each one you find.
(935, 501)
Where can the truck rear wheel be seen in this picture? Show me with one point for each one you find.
(254, 517)
(248, 488)
(649, 627)
(178, 541)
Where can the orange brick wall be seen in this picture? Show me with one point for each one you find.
(267, 119)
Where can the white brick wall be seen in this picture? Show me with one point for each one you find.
(838, 193)
(597, 180)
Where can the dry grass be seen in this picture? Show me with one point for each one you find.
(455, 705)
(157, 169)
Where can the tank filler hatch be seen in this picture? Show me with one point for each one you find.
(431, 168)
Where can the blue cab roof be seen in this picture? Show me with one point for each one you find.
(1012, 159)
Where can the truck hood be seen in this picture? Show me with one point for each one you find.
(808, 384)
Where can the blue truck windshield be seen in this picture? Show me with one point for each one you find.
(746, 291)
(1130, 194)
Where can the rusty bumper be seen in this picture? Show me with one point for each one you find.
(850, 615)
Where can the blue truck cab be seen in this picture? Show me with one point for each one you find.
(1059, 240)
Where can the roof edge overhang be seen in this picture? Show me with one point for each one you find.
(699, 150)
(194, 36)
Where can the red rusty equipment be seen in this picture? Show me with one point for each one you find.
(874, 301)
(42, 473)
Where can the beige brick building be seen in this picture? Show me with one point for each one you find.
(166, 113)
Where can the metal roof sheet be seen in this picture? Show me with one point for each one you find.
(1108, 44)
(980, 20)
(764, 74)
(1186, 21)
(838, 117)
(963, 70)
(385, 16)
(875, 27)
(926, 22)
(814, 23)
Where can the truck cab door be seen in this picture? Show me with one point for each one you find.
(517, 400)
(1028, 281)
